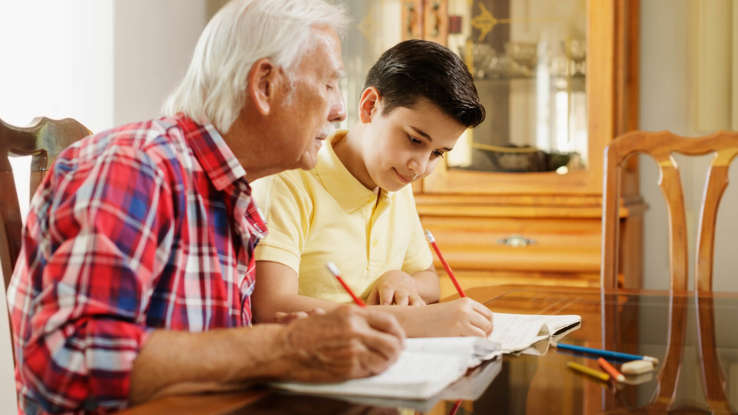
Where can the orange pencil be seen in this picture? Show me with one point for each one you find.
(450, 273)
(611, 369)
(334, 270)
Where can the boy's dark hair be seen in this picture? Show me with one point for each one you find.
(419, 68)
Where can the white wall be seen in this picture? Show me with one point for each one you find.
(57, 60)
(154, 41)
(667, 96)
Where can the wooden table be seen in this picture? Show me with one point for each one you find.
(683, 331)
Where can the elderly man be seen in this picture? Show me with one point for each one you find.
(136, 271)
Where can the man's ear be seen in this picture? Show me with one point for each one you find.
(369, 104)
(263, 82)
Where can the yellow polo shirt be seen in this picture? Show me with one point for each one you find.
(326, 214)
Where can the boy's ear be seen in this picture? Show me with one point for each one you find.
(369, 104)
(263, 81)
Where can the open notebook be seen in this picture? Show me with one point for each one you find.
(424, 368)
(530, 333)
(428, 365)
(468, 388)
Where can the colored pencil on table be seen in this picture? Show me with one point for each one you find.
(336, 273)
(605, 353)
(450, 273)
(588, 371)
(604, 364)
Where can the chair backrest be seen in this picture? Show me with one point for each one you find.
(660, 146)
(44, 140)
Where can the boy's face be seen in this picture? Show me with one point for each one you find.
(407, 143)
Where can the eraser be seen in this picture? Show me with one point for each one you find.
(638, 379)
(636, 367)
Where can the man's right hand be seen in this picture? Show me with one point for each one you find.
(348, 342)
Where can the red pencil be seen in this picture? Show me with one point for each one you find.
(450, 273)
(457, 404)
(334, 270)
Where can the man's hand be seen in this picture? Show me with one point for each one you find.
(348, 342)
(395, 287)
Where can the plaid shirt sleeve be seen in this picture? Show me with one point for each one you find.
(97, 236)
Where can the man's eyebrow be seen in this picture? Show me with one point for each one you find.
(426, 135)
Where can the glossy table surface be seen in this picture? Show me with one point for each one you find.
(685, 332)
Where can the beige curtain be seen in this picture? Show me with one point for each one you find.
(713, 34)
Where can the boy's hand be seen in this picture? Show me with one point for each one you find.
(460, 317)
(395, 287)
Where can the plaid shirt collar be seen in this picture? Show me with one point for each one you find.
(211, 150)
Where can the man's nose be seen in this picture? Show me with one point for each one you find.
(338, 110)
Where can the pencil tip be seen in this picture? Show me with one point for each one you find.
(429, 236)
(332, 268)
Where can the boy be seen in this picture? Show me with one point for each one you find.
(356, 209)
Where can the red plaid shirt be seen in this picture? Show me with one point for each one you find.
(145, 226)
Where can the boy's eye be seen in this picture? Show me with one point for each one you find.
(414, 140)
(438, 153)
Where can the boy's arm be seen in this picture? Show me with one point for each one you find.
(276, 290)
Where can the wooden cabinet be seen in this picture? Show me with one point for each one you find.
(542, 226)
(425, 19)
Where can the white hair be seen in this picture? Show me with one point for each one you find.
(243, 31)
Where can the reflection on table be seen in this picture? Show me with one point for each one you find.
(692, 337)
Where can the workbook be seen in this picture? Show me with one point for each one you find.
(430, 364)
(424, 368)
(530, 333)
(468, 388)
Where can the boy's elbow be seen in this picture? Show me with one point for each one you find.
(266, 307)
(263, 313)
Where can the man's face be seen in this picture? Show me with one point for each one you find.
(314, 102)
(407, 143)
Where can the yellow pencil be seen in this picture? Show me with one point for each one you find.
(588, 371)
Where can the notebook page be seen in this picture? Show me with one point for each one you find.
(477, 348)
(563, 323)
(468, 387)
(515, 332)
(408, 378)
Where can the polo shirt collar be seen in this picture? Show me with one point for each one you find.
(216, 158)
(346, 189)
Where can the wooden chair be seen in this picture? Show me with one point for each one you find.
(660, 146)
(44, 140)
